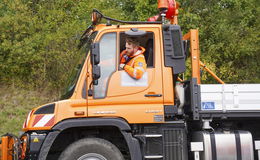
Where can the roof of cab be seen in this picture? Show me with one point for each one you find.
(100, 27)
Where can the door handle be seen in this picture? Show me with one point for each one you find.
(153, 95)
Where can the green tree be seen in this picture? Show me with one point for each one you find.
(38, 39)
(229, 36)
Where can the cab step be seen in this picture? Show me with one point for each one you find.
(149, 135)
(153, 157)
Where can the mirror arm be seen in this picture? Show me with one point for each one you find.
(90, 90)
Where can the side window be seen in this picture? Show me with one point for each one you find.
(107, 63)
(146, 41)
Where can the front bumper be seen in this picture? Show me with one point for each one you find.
(26, 147)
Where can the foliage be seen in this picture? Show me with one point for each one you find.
(229, 37)
(38, 51)
(38, 43)
(38, 40)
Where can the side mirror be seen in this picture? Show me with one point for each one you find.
(95, 74)
(95, 57)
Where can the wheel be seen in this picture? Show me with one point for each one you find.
(91, 149)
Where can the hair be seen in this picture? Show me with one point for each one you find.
(132, 41)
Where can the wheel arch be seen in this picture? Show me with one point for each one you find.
(132, 143)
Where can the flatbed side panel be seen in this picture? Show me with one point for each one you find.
(230, 97)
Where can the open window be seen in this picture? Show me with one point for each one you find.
(146, 41)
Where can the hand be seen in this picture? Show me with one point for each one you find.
(122, 66)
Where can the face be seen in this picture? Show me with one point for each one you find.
(130, 49)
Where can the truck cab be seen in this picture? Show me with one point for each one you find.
(118, 94)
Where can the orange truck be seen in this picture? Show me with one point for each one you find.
(108, 115)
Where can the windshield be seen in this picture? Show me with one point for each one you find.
(76, 72)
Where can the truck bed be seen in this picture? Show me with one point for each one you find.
(230, 97)
(229, 100)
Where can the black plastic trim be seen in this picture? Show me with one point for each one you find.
(238, 144)
(46, 109)
(174, 55)
(95, 53)
(35, 146)
(195, 98)
(133, 143)
(119, 123)
(229, 114)
(153, 95)
(213, 146)
(170, 110)
(50, 138)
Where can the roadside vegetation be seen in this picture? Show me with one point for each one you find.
(15, 104)
(39, 38)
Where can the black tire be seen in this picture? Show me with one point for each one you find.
(90, 148)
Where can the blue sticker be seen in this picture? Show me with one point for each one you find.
(140, 64)
(208, 105)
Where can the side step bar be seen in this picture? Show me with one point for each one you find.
(153, 157)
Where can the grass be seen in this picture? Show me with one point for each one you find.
(15, 104)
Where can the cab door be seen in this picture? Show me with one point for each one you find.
(119, 95)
